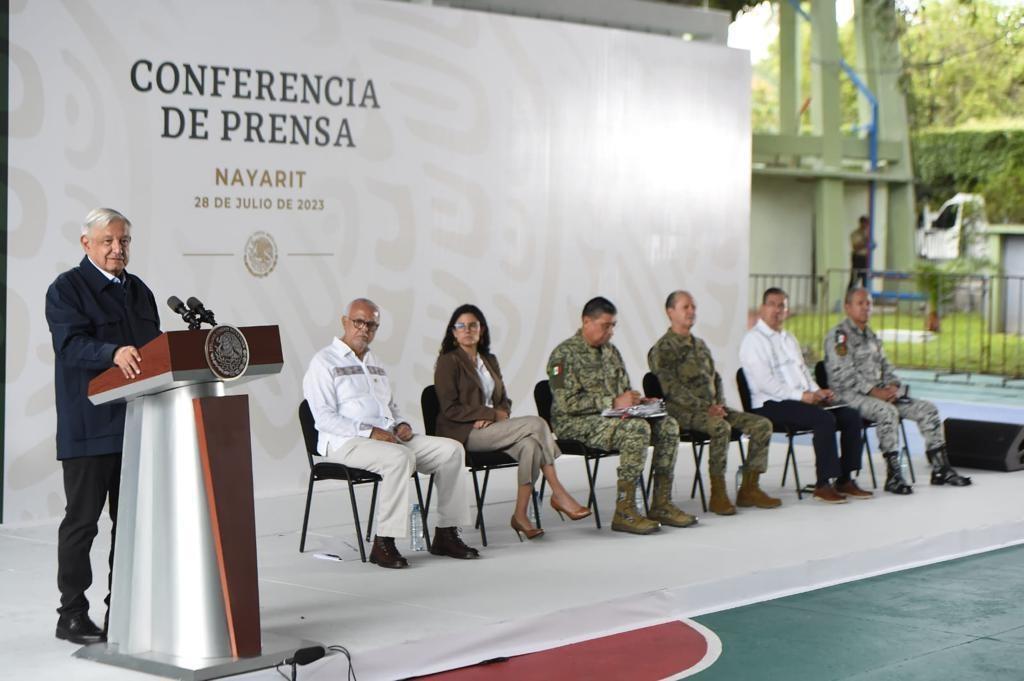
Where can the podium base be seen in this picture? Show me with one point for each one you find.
(276, 648)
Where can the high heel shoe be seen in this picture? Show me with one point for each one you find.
(530, 532)
(573, 515)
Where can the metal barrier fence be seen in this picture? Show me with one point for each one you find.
(947, 323)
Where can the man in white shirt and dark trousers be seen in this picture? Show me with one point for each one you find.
(782, 390)
(359, 425)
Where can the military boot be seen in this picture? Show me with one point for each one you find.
(942, 472)
(751, 494)
(663, 510)
(719, 502)
(894, 481)
(626, 518)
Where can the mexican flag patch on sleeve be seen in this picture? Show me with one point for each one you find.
(557, 375)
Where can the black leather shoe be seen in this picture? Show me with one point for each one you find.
(894, 481)
(385, 554)
(896, 485)
(947, 476)
(79, 629)
(448, 543)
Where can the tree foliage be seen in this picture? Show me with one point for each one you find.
(962, 62)
(977, 159)
(964, 78)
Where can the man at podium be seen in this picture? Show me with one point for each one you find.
(359, 425)
(99, 315)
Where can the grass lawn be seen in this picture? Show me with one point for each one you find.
(963, 345)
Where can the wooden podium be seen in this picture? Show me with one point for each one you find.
(185, 593)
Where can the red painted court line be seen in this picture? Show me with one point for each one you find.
(646, 654)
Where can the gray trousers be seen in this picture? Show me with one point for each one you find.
(527, 439)
(886, 416)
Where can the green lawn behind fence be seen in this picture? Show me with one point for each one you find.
(963, 345)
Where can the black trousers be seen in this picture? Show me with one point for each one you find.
(89, 483)
(824, 423)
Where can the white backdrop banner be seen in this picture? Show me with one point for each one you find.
(278, 159)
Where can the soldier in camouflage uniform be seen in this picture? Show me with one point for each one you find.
(694, 396)
(587, 376)
(861, 376)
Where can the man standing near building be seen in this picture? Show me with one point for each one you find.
(781, 389)
(99, 316)
(587, 376)
(358, 424)
(694, 396)
(862, 377)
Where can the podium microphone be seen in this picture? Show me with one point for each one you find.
(174, 302)
(201, 313)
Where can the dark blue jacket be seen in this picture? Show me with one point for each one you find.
(90, 317)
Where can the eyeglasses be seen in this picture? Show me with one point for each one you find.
(365, 324)
(462, 326)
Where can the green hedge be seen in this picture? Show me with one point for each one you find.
(989, 162)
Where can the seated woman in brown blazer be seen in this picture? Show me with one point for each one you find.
(475, 411)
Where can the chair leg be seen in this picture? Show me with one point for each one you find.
(871, 464)
(536, 507)
(791, 456)
(743, 453)
(905, 451)
(355, 518)
(647, 489)
(644, 490)
(305, 516)
(785, 467)
(592, 479)
(479, 509)
(483, 496)
(543, 486)
(423, 507)
(373, 510)
(698, 479)
(430, 491)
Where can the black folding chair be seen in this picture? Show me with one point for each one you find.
(821, 378)
(475, 460)
(698, 440)
(332, 470)
(542, 398)
(744, 390)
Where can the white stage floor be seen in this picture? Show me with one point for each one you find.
(572, 584)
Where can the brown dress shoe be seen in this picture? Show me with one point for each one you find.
(448, 543)
(385, 554)
(829, 495)
(850, 489)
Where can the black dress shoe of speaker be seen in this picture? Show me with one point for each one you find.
(79, 629)
(947, 476)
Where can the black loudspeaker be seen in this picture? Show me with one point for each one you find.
(983, 444)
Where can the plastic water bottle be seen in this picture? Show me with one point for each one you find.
(739, 477)
(416, 529)
(531, 513)
(904, 460)
(639, 502)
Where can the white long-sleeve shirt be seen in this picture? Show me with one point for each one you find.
(774, 366)
(348, 396)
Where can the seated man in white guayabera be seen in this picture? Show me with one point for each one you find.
(359, 425)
